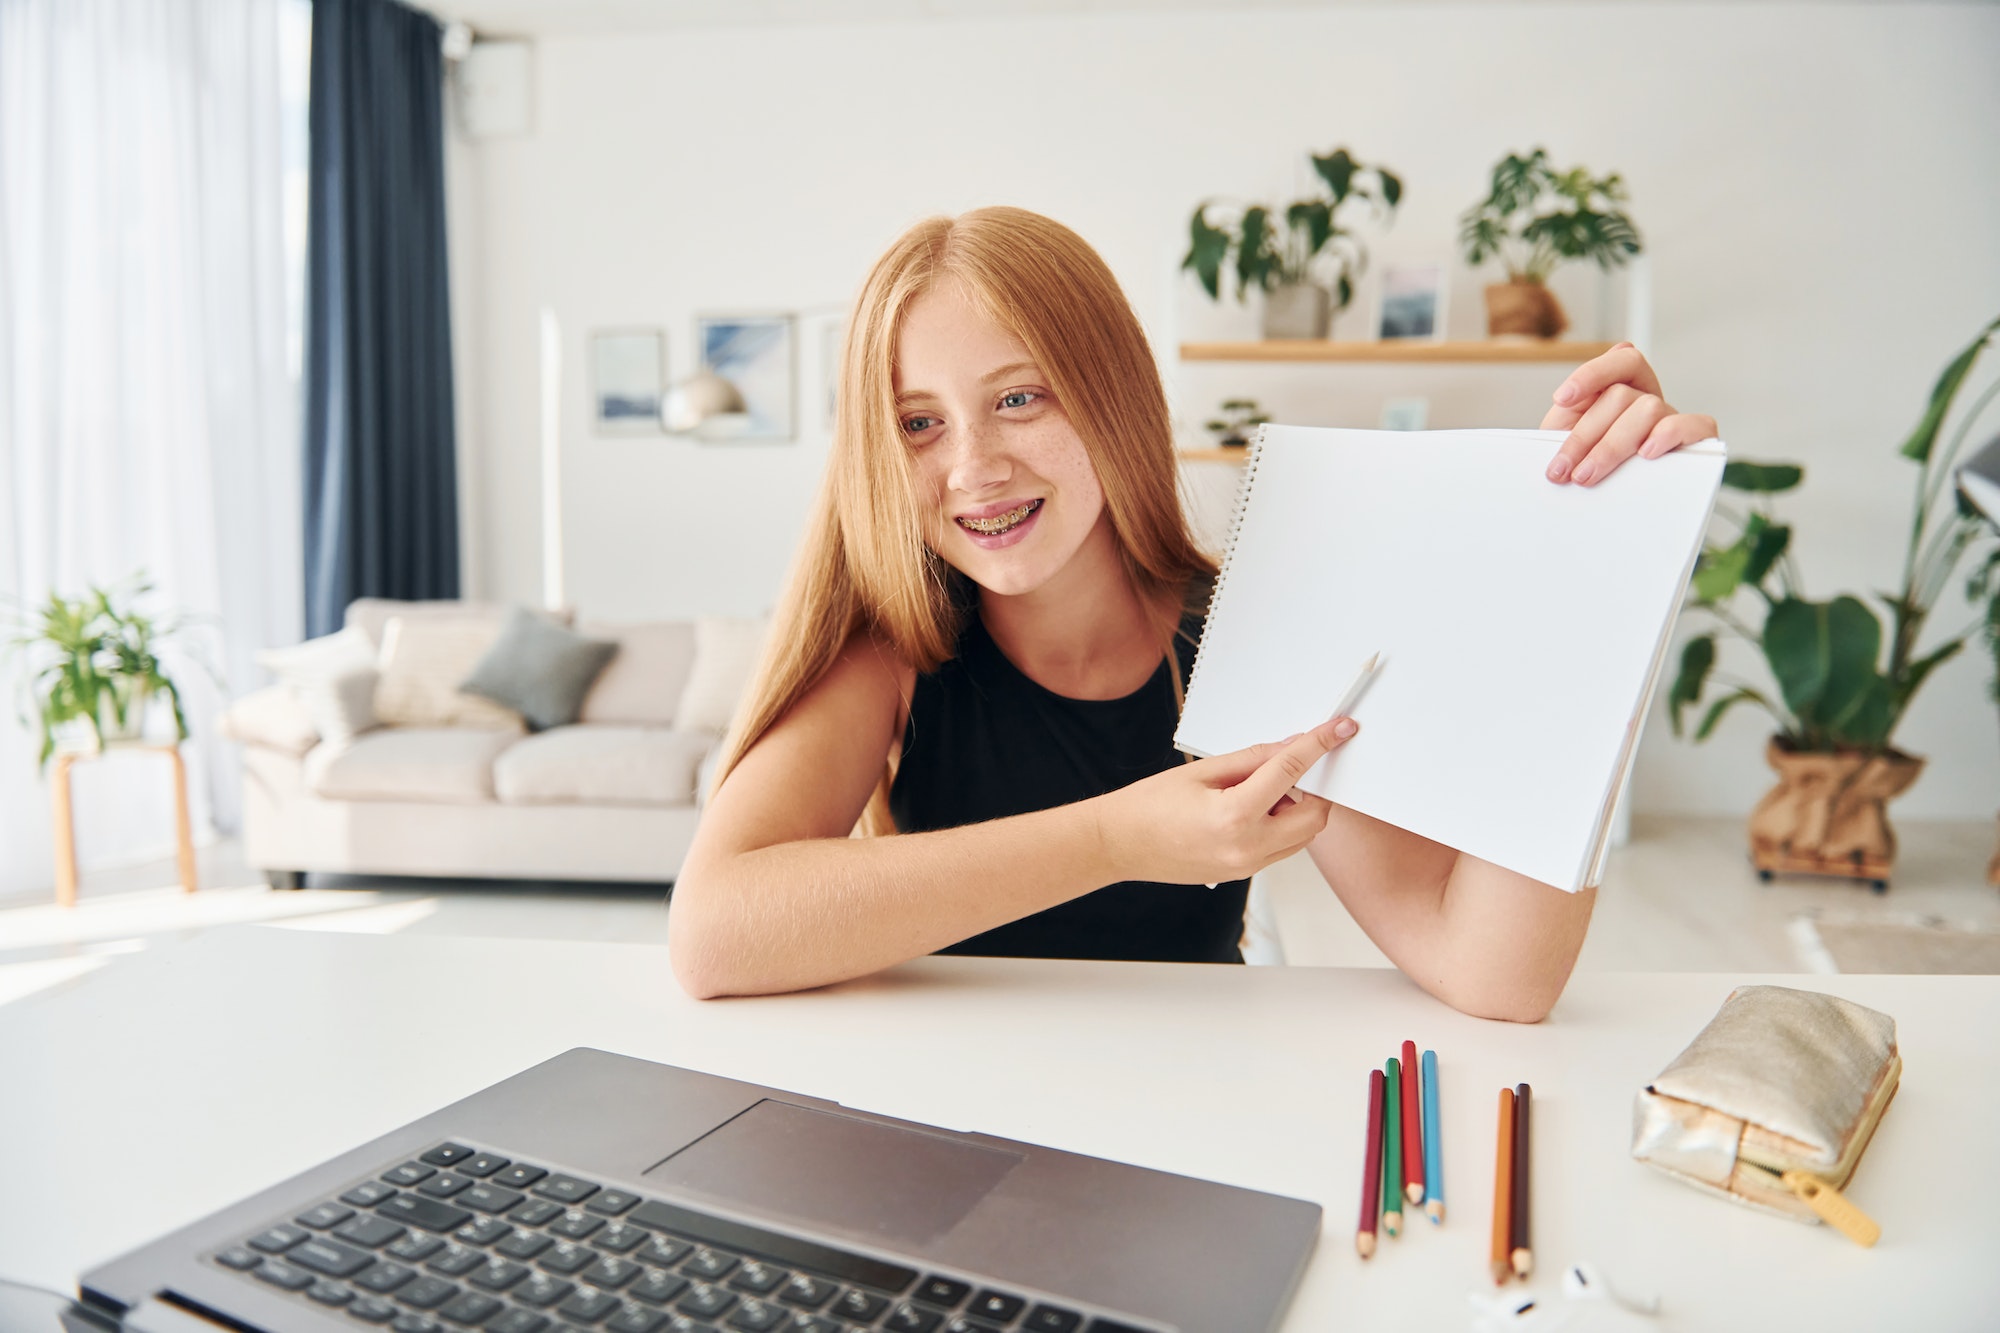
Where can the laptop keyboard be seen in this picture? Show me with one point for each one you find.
(459, 1238)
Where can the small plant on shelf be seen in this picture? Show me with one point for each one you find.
(1304, 259)
(1533, 219)
(92, 666)
(1240, 416)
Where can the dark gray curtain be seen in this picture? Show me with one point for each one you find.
(381, 486)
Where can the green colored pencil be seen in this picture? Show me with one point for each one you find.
(1392, 1149)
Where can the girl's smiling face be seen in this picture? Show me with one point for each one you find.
(1008, 487)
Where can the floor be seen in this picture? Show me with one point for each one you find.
(1678, 897)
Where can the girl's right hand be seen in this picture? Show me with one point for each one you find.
(1218, 819)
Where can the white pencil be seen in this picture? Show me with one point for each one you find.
(1354, 692)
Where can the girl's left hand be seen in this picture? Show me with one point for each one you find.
(1612, 408)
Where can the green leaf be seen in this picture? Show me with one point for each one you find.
(1762, 477)
(1253, 262)
(1343, 292)
(1208, 247)
(1770, 543)
(1719, 571)
(1314, 217)
(1924, 437)
(1392, 187)
(1697, 658)
(1337, 170)
(1864, 722)
(1823, 654)
(1723, 705)
(1914, 673)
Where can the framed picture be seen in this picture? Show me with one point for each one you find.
(756, 354)
(628, 373)
(830, 335)
(1412, 304)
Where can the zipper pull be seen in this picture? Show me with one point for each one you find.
(1833, 1207)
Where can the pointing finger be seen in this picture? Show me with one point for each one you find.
(1282, 771)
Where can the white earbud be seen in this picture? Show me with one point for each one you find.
(1583, 1282)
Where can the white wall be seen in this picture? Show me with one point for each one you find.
(1819, 187)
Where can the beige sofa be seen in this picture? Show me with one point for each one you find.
(614, 796)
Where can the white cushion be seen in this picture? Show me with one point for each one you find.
(602, 765)
(424, 660)
(409, 764)
(333, 678)
(371, 615)
(643, 683)
(273, 718)
(725, 655)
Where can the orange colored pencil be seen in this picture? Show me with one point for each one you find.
(1413, 1131)
(1503, 1191)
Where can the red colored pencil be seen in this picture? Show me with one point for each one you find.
(1413, 1128)
(1371, 1170)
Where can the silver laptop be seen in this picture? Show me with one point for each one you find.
(596, 1193)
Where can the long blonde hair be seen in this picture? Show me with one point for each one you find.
(864, 566)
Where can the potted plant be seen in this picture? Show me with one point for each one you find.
(93, 667)
(1240, 416)
(1840, 690)
(1304, 260)
(1532, 219)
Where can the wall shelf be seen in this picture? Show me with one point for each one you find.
(1215, 455)
(1495, 351)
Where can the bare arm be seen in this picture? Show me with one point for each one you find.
(1484, 940)
(775, 896)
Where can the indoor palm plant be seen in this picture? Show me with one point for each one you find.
(1841, 690)
(1304, 259)
(92, 665)
(1532, 219)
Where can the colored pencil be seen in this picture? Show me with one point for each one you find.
(1523, 1255)
(1371, 1170)
(1503, 1191)
(1433, 1145)
(1413, 1135)
(1392, 1150)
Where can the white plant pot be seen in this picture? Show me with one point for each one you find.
(1297, 310)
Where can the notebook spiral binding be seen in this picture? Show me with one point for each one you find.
(1241, 503)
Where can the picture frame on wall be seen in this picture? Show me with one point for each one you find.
(758, 355)
(628, 375)
(1411, 305)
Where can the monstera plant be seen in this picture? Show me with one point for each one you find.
(1304, 259)
(1842, 683)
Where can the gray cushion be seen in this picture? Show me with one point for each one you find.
(540, 670)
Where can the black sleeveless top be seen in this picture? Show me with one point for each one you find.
(984, 742)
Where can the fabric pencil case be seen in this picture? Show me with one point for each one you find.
(1773, 1103)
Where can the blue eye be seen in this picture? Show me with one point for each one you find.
(1018, 398)
(918, 425)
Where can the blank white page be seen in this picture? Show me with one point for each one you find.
(1520, 624)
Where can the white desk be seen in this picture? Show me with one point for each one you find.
(172, 1082)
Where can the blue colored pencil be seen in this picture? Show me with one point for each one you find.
(1433, 1145)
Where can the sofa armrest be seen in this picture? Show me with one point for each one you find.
(272, 717)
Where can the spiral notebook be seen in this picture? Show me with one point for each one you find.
(1522, 627)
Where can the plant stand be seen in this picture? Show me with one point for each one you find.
(1829, 814)
(65, 824)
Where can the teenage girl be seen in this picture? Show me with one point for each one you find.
(960, 739)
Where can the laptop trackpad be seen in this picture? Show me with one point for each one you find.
(902, 1186)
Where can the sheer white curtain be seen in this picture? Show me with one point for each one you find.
(146, 418)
